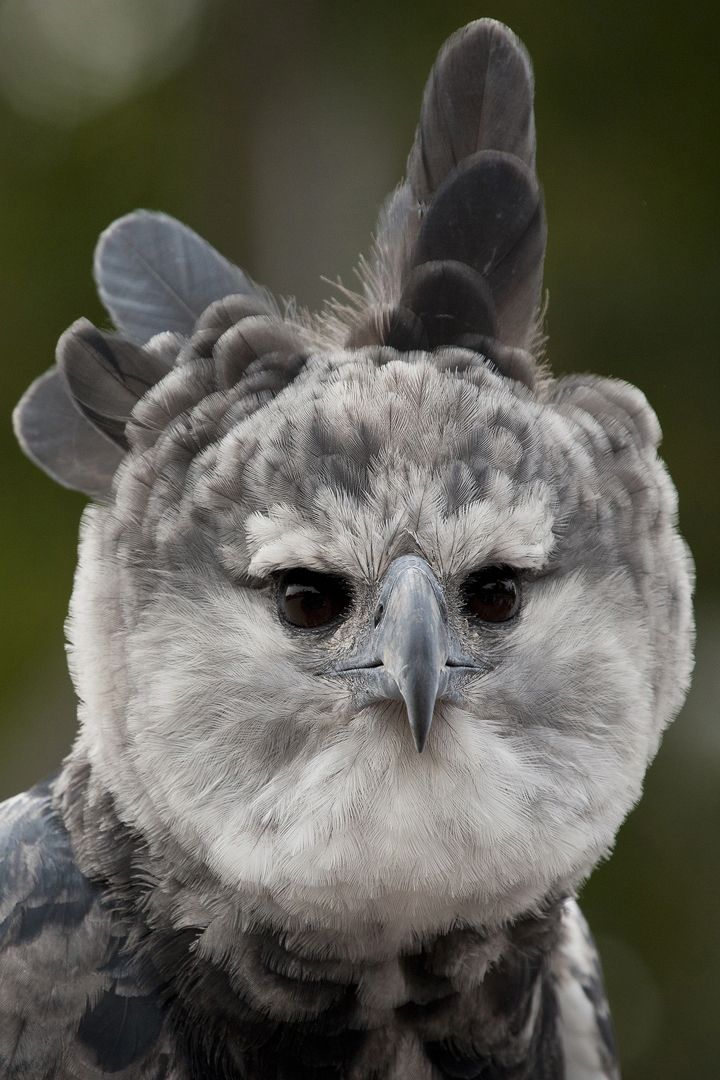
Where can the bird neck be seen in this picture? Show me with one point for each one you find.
(284, 992)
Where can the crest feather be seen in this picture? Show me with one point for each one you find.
(154, 274)
(56, 436)
(471, 198)
(107, 376)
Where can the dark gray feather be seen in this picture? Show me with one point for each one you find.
(471, 196)
(222, 314)
(155, 274)
(39, 881)
(46, 910)
(69, 1003)
(249, 341)
(58, 438)
(488, 214)
(479, 96)
(118, 1030)
(107, 375)
(450, 298)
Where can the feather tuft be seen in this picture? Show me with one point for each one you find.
(61, 441)
(471, 197)
(154, 274)
(107, 375)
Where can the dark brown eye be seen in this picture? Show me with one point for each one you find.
(309, 600)
(492, 595)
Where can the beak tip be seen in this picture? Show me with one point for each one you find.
(420, 702)
(420, 733)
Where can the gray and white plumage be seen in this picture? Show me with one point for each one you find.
(245, 869)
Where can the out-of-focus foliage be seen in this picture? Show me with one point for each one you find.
(275, 129)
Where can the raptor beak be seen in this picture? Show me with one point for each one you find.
(410, 653)
(412, 639)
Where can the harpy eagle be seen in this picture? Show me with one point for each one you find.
(375, 630)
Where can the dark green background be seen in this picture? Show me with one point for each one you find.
(278, 139)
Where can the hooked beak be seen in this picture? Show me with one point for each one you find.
(413, 643)
(412, 655)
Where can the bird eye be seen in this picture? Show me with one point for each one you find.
(492, 594)
(309, 600)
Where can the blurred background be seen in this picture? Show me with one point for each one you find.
(275, 128)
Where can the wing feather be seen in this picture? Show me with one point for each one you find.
(586, 1029)
(62, 1011)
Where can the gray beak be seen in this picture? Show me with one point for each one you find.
(411, 654)
(413, 641)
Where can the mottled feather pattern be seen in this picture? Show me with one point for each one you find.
(586, 1027)
(53, 944)
(245, 870)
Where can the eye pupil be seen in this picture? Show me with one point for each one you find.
(492, 595)
(308, 600)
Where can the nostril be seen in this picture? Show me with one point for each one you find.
(379, 612)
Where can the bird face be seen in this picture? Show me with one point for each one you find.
(393, 559)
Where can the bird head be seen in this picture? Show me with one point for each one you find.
(372, 616)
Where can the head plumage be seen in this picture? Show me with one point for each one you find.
(457, 262)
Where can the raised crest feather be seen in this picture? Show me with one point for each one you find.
(58, 438)
(470, 195)
(107, 375)
(154, 274)
(457, 264)
(479, 96)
